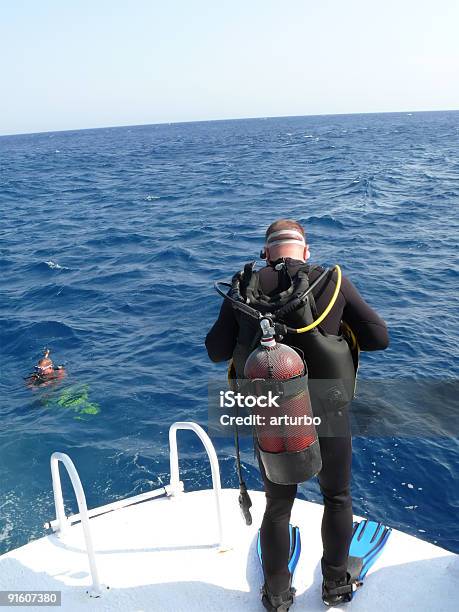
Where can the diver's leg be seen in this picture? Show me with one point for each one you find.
(274, 533)
(335, 481)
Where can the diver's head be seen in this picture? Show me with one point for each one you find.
(45, 365)
(286, 238)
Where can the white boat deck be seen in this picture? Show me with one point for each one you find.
(163, 555)
(193, 551)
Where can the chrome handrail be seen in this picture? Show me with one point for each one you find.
(62, 523)
(176, 485)
(96, 590)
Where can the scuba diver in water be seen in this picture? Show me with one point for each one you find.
(46, 373)
(335, 318)
(74, 399)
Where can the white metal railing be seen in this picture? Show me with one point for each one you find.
(117, 505)
(174, 488)
(176, 484)
(96, 590)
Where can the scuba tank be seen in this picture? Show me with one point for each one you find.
(288, 447)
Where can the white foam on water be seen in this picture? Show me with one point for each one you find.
(55, 266)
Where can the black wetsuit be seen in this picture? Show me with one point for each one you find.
(335, 476)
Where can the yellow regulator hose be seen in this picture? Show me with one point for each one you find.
(319, 320)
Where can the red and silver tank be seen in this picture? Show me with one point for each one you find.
(286, 435)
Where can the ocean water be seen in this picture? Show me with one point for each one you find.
(110, 242)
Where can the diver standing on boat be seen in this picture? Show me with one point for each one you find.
(320, 314)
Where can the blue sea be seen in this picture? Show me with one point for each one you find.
(110, 242)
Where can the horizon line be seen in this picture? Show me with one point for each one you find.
(135, 125)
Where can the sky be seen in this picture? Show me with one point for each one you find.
(81, 64)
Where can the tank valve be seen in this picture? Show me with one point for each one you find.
(267, 330)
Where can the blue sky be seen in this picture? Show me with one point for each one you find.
(68, 64)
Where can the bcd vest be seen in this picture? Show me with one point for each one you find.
(331, 364)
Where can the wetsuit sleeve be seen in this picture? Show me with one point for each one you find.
(221, 339)
(369, 328)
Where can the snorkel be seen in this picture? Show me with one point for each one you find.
(45, 366)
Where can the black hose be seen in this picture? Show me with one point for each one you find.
(245, 502)
(237, 304)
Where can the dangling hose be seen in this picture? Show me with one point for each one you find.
(245, 502)
(244, 498)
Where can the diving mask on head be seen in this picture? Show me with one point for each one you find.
(43, 367)
(284, 236)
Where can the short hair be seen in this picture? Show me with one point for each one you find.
(285, 224)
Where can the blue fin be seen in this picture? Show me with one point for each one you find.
(295, 548)
(368, 541)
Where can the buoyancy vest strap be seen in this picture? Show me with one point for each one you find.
(304, 293)
(245, 287)
(318, 321)
(255, 295)
(254, 311)
(312, 299)
(352, 337)
(312, 303)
